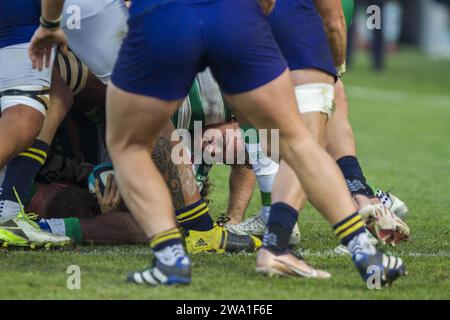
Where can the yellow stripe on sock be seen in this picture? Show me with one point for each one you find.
(33, 156)
(192, 211)
(164, 236)
(347, 224)
(195, 216)
(38, 151)
(352, 229)
(166, 233)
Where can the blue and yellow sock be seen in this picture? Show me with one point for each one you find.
(168, 248)
(349, 227)
(21, 171)
(164, 239)
(282, 220)
(195, 217)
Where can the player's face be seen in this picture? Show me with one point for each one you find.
(224, 139)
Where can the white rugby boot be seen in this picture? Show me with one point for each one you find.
(390, 201)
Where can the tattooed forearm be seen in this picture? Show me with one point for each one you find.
(242, 182)
(161, 155)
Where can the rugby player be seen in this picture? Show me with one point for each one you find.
(68, 210)
(25, 99)
(98, 48)
(152, 76)
(313, 64)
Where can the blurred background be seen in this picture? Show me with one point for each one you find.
(420, 24)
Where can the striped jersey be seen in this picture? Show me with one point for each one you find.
(204, 103)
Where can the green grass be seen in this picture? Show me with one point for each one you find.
(403, 143)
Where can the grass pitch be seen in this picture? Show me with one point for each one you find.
(401, 120)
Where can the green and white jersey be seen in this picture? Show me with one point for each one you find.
(348, 7)
(201, 172)
(204, 103)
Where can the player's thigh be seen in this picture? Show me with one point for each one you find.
(340, 99)
(19, 127)
(24, 94)
(135, 119)
(271, 106)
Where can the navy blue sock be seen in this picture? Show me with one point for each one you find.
(21, 171)
(282, 219)
(195, 217)
(354, 177)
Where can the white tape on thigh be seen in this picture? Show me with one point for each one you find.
(315, 97)
(8, 101)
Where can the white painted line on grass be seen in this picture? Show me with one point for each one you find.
(331, 253)
(392, 96)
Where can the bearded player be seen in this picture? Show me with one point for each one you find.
(153, 75)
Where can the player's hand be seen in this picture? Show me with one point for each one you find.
(267, 6)
(110, 200)
(42, 42)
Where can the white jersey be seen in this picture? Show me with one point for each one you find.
(95, 30)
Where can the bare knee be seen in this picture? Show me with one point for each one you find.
(340, 100)
(26, 123)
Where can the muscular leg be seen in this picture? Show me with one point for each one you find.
(320, 176)
(19, 126)
(241, 185)
(341, 143)
(61, 100)
(287, 186)
(22, 169)
(130, 139)
(113, 228)
(179, 178)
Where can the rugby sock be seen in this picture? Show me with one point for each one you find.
(265, 169)
(21, 171)
(354, 177)
(266, 200)
(282, 219)
(195, 217)
(349, 228)
(167, 246)
(64, 227)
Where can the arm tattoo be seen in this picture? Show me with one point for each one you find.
(161, 155)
